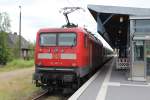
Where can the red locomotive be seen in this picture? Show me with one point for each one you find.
(66, 56)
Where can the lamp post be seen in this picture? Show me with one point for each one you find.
(20, 32)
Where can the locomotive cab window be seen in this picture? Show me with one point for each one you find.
(48, 39)
(67, 39)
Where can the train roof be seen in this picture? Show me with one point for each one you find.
(75, 29)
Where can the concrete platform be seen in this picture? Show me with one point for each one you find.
(110, 84)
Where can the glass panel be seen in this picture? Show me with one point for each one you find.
(148, 66)
(148, 56)
(48, 39)
(139, 51)
(142, 26)
(67, 39)
(148, 49)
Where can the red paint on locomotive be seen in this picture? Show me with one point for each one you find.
(80, 55)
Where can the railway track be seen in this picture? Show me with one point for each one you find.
(38, 97)
(46, 96)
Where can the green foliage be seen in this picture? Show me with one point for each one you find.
(8, 53)
(4, 51)
(17, 64)
(4, 26)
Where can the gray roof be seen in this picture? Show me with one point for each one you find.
(103, 14)
(120, 10)
(13, 38)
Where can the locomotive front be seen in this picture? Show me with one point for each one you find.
(56, 58)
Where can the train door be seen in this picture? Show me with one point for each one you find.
(138, 60)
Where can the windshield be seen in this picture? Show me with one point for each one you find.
(58, 39)
(48, 39)
(66, 39)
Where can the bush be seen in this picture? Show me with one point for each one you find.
(3, 48)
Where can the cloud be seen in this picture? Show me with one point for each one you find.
(37, 14)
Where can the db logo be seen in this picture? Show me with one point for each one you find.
(55, 56)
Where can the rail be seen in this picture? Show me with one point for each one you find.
(41, 95)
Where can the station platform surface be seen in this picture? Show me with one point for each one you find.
(110, 84)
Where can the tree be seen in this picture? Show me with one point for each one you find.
(4, 22)
(3, 48)
(4, 28)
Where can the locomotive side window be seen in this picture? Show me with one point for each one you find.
(48, 39)
(85, 41)
(67, 39)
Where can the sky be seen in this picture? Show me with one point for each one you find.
(38, 14)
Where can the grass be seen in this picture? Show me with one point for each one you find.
(18, 88)
(17, 64)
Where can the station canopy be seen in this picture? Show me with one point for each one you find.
(113, 22)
